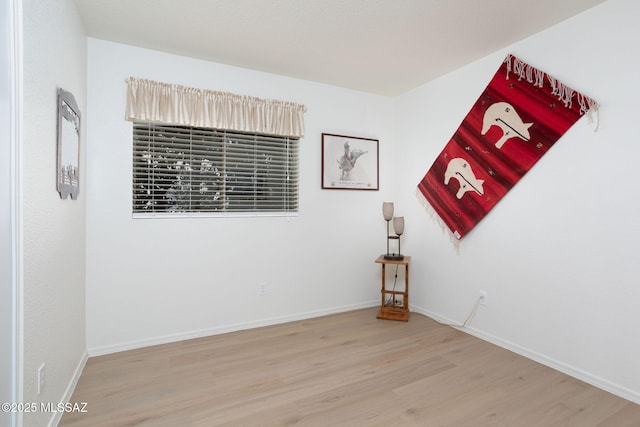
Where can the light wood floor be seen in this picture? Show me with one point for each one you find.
(348, 369)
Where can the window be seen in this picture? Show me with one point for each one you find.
(181, 169)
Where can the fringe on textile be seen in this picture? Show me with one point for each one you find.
(564, 93)
(437, 220)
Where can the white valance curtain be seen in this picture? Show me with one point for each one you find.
(152, 101)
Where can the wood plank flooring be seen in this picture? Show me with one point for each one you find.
(347, 369)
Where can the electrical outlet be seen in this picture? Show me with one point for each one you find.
(41, 378)
(263, 288)
(483, 297)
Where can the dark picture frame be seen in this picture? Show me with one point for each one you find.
(350, 162)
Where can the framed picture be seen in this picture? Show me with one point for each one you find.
(349, 162)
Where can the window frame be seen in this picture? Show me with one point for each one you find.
(281, 170)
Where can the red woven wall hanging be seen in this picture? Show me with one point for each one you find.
(515, 121)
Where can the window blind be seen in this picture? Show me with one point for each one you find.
(180, 169)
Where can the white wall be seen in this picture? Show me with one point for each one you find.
(158, 280)
(558, 255)
(54, 52)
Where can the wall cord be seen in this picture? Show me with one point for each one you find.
(471, 315)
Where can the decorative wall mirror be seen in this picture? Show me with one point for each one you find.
(68, 181)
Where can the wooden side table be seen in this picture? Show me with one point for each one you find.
(392, 307)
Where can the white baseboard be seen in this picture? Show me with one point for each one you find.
(66, 397)
(595, 381)
(147, 342)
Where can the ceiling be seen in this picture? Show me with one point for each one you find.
(385, 47)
